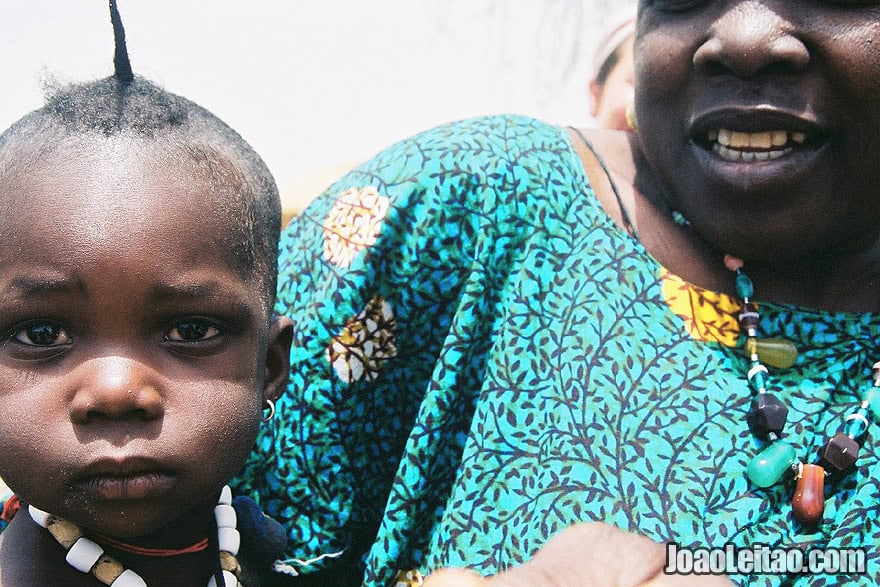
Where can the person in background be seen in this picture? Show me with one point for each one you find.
(611, 87)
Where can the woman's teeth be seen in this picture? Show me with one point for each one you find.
(753, 146)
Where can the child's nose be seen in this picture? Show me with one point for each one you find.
(115, 387)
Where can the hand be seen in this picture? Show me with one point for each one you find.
(585, 555)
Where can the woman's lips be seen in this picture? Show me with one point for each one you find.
(756, 134)
(747, 147)
(147, 484)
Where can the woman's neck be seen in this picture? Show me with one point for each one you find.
(846, 280)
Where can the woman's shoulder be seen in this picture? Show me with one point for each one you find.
(502, 156)
(488, 144)
(506, 129)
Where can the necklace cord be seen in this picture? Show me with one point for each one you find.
(199, 546)
(627, 222)
(214, 545)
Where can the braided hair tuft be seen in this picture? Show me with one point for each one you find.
(121, 62)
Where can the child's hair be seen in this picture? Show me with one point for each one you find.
(125, 105)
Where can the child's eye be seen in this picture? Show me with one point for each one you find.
(43, 334)
(192, 330)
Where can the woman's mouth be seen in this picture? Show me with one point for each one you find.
(746, 147)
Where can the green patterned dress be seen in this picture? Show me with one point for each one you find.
(482, 357)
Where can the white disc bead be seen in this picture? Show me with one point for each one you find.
(225, 496)
(129, 578)
(229, 540)
(83, 555)
(39, 516)
(225, 516)
(229, 580)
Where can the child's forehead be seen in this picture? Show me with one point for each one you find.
(115, 194)
(118, 176)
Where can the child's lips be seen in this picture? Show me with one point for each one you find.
(130, 486)
(126, 479)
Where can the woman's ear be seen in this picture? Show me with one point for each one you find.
(595, 97)
(277, 367)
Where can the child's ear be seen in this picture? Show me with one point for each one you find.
(277, 368)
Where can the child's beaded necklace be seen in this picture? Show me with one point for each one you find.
(87, 556)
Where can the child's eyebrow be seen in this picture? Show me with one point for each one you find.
(233, 297)
(22, 285)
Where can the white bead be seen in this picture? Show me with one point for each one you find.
(225, 516)
(128, 578)
(229, 580)
(83, 555)
(225, 496)
(228, 540)
(39, 516)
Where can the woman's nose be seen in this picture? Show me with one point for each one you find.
(116, 387)
(751, 38)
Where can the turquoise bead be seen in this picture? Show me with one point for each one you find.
(873, 399)
(758, 376)
(744, 288)
(856, 427)
(769, 465)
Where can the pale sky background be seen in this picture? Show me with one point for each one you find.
(317, 86)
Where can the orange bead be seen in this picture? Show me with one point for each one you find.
(808, 503)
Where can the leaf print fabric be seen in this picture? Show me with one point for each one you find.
(543, 370)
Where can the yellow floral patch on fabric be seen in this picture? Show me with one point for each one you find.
(353, 224)
(708, 315)
(365, 343)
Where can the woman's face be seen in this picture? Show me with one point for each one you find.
(762, 119)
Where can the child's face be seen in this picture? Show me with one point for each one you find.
(133, 359)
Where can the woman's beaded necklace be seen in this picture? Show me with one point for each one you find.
(87, 556)
(767, 415)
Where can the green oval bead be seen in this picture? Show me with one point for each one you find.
(769, 465)
(744, 287)
(776, 352)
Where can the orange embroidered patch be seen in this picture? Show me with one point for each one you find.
(708, 315)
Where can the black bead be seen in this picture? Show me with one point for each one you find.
(840, 453)
(766, 415)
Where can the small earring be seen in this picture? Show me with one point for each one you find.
(630, 115)
(271, 409)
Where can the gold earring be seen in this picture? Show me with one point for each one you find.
(631, 115)
(271, 409)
